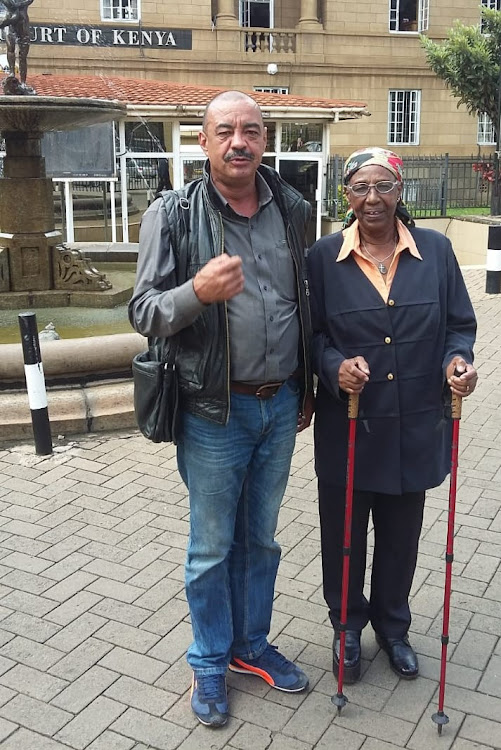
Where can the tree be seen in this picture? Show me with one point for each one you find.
(469, 64)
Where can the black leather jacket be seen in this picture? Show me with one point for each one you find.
(191, 236)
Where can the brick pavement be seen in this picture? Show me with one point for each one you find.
(94, 623)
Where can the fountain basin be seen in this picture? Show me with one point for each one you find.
(44, 113)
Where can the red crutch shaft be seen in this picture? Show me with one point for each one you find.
(440, 718)
(340, 699)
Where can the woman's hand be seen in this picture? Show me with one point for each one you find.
(353, 375)
(464, 384)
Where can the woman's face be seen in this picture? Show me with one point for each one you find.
(374, 211)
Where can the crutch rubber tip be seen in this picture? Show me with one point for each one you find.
(440, 719)
(339, 700)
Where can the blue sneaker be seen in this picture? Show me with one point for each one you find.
(209, 700)
(274, 669)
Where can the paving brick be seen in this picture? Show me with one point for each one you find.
(174, 644)
(128, 637)
(473, 702)
(65, 567)
(29, 627)
(148, 729)
(90, 723)
(491, 680)
(474, 649)
(129, 614)
(32, 682)
(6, 730)
(30, 653)
(76, 632)
(105, 551)
(32, 584)
(34, 714)
(82, 658)
(134, 665)
(112, 741)
(6, 695)
(84, 689)
(145, 698)
(482, 730)
(22, 601)
(24, 562)
(73, 608)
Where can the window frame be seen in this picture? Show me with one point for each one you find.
(422, 17)
(271, 89)
(107, 5)
(244, 13)
(414, 119)
(485, 126)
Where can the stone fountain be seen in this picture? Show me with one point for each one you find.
(35, 268)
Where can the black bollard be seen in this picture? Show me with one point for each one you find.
(493, 261)
(35, 383)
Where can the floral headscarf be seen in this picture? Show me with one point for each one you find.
(366, 157)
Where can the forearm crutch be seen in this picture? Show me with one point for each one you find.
(440, 718)
(340, 700)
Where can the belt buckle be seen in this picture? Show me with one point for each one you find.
(261, 392)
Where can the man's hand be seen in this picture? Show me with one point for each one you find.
(353, 375)
(219, 280)
(464, 384)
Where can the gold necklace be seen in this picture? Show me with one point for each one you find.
(383, 270)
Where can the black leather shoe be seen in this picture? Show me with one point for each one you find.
(403, 659)
(351, 656)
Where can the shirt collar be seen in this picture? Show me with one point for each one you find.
(351, 241)
(264, 195)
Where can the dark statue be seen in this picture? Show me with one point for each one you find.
(18, 32)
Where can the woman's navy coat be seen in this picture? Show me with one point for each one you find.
(403, 439)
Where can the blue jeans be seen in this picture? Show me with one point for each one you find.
(236, 476)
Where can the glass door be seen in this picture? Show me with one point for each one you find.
(306, 177)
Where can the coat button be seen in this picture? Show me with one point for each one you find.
(390, 376)
(391, 302)
(387, 340)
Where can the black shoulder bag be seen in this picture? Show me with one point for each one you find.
(156, 388)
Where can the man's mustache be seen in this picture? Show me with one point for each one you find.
(239, 154)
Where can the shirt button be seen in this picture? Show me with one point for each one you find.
(260, 257)
(271, 318)
(390, 376)
(391, 302)
(387, 340)
(265, 288)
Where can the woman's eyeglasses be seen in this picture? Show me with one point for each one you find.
(360, 189)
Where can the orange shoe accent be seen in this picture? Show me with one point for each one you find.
(248, 669)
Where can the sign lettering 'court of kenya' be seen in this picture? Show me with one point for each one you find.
(106, 36)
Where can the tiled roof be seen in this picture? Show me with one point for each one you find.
(144, 92)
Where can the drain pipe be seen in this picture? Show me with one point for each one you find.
(35, 383)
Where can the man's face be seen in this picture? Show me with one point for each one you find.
(234, 141)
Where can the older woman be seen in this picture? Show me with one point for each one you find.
(393, 323)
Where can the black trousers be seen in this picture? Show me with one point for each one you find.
(397, 523)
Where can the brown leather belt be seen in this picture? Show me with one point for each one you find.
(264, 391)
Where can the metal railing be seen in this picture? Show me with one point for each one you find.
(433, 185)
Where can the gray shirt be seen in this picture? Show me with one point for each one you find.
(263, 319)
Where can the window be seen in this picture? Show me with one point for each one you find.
(409, 15)
(272, 89)
(403, 117)
(493, 5)
(485, 131)
(256, 13)
(120, 10)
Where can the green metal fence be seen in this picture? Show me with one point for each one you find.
(433, 185)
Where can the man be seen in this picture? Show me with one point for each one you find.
(243, 364)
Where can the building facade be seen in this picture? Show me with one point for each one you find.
(368, 51)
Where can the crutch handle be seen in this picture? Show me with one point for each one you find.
(457, 401)
(353, 406)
